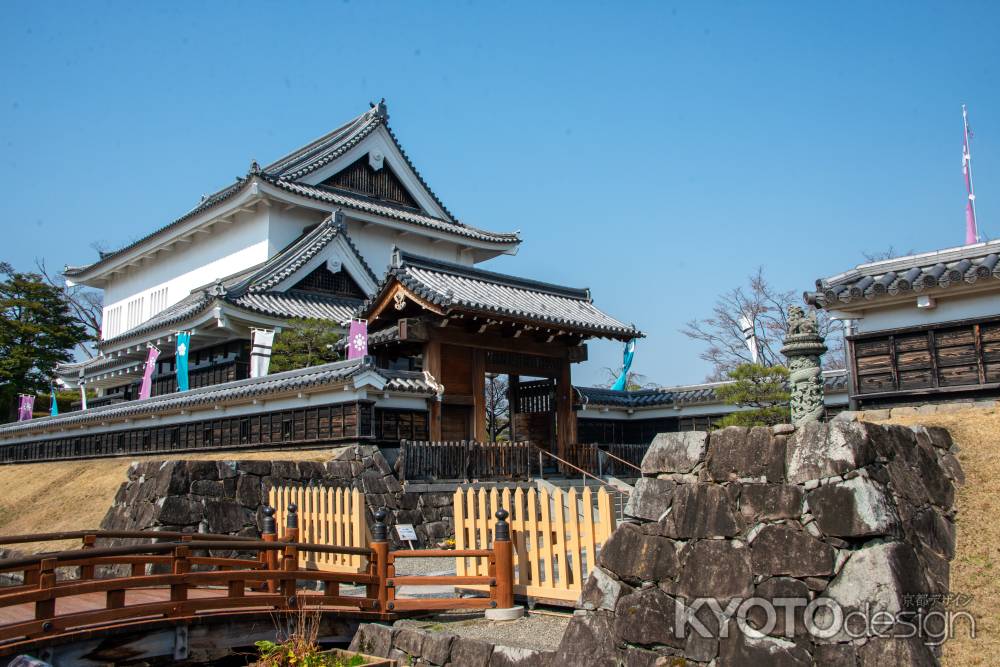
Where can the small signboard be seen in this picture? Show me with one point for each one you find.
(406, 532)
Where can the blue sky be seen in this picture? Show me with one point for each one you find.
(656, 153)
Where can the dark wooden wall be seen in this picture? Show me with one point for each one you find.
(925, 360)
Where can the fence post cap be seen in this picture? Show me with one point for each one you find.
(501, 531)
(502, 514)
(380, 531)
(292, 518)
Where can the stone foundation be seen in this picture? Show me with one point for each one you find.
(226, 496)
(409, 646)
(846, 514)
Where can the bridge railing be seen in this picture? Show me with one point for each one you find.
(196, 583)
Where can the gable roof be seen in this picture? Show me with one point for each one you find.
(455, 287)
(941, 269)
(285, 173)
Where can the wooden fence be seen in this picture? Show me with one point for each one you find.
(464, 460)
(329, 516)
(556, 536)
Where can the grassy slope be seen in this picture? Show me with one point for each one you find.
(75, 495)
(976, 568)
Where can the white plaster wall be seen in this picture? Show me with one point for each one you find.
(960, 307)
(228, 249)
(286, 225)
(375, 244)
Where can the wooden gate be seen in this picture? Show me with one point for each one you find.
(328, 516)
(556, 536)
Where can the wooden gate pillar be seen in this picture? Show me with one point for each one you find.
(565, 417)
(432, 364)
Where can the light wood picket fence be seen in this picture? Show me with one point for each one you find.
(557, 536)
(330, 516)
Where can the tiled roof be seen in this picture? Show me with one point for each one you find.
(464, 288)
(184, 309)
(279, 383)
(360, 203)
(298, 253)
(965, 265)
(834, 382)
(294, 303)
(284, 173)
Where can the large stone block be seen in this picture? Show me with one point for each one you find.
(742, 650)
(856, 507)
(675, 452)
(736, 452)
(817, 450)
(882, 652)
(226, 516)
(648, 617)
(700, 510)
(787, 549)
(602, 591)
(467, 652)
(589, 639)
(778, 588)
(179, 511)
(715, 569)
(875, 578)
(770, 502)
(934, 531)
(437, 647)
(409, 641)
(650, 498)
(510, 656)
(373, 639)
(635, 556)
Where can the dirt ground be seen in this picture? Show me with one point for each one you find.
(976, 568)
(75, 495)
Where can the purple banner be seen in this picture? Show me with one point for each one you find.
(25, 406)
(357, 340)
(147, 373)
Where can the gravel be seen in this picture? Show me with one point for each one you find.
(539, 631)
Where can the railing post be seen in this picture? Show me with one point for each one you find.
(380, 569)
(269, 557)
(87, 571)
(503, 554)
(46, 608)
(178, 591)
(290, 557)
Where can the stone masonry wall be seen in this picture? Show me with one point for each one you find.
(844, 512)
(410, 646)
(226, 496)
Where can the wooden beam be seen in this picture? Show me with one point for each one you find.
(565, 417)
(489, 341)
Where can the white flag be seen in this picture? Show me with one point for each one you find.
(749, 336)
(260, 352)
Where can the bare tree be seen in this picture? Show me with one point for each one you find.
(767, 308)
(497, 406)
(85, 304)
(888, 253)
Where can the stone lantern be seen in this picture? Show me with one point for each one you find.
(803, 347)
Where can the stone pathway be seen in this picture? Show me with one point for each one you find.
(537, 630)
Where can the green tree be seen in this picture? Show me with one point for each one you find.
(303, 343)
(37, 331)
(762, 389)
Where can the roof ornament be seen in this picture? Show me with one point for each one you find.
(381, 110)
(254, 168)
(218, 289)
(338, 218)
(399, 300)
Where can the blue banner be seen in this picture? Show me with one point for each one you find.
(181, 360)
(622, 380)
(54, 410)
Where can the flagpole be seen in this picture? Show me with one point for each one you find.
(968, 160)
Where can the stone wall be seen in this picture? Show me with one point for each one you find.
(227, 496)
(948, 407)
(845, 513)
(410, 646)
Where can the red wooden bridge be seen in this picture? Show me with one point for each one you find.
(176, 579)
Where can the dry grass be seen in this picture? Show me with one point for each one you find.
(75, 495)
(976, 568)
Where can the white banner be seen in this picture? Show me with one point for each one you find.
(260, 352)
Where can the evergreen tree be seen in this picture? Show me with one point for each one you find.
(37, 331)
(303, 343)
(763, 389)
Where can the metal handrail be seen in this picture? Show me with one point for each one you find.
(619, 459)
(578, 469)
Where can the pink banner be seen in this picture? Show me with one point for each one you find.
(357, 340)
(147, 373)
(25, 406)
(970, 225)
